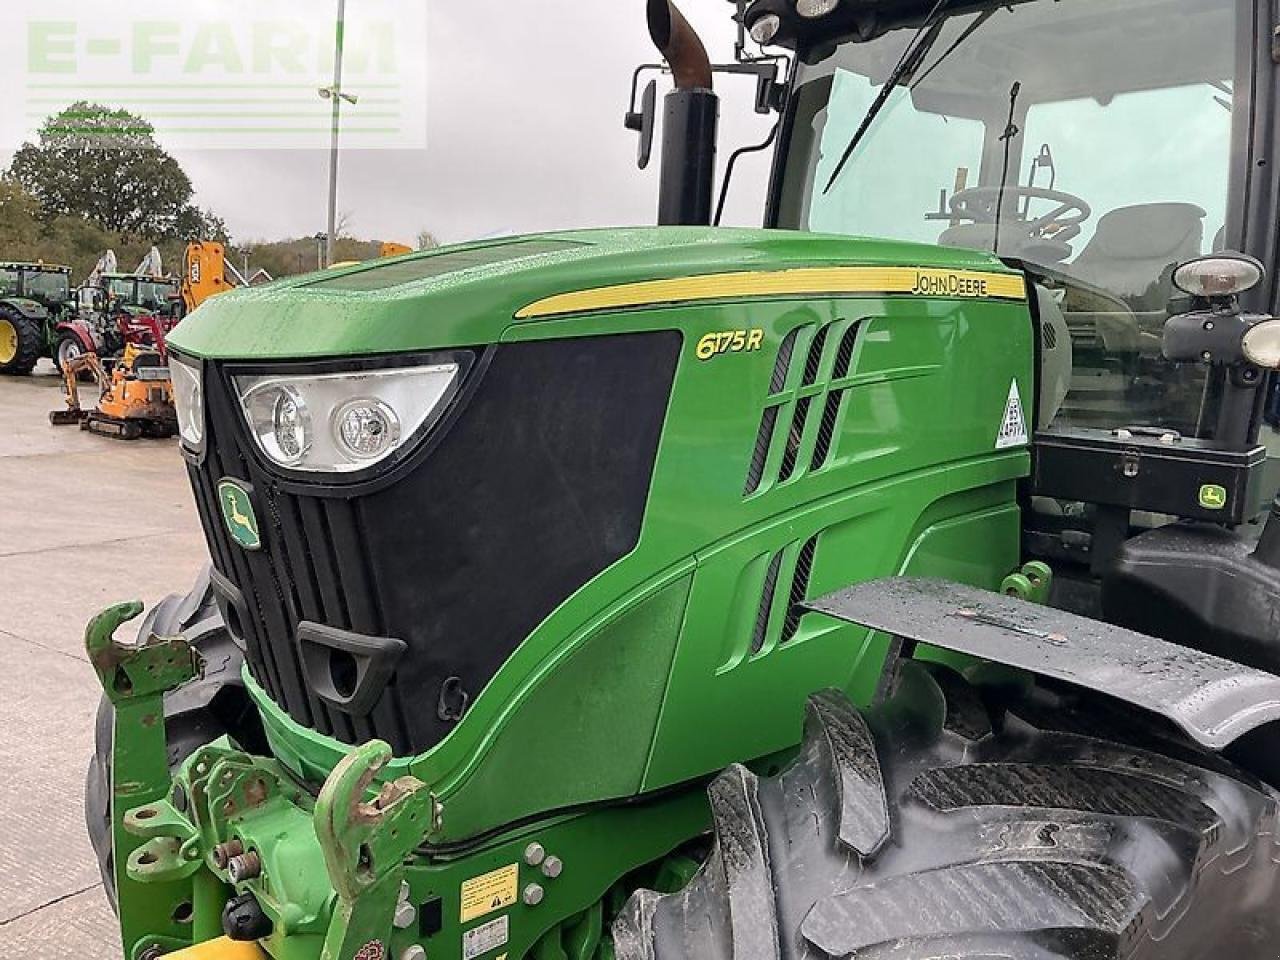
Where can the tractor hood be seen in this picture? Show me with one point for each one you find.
(470, 294)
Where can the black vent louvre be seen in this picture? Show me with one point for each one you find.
(764, 439)
(826, 429)
(814, 363)
(791, 455)
(766, 604)
(469, 545)
(799, 589)
(783, 364)
(776, 587)
(804, 450)
(844, 354)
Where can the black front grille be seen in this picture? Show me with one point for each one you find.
(532, 485)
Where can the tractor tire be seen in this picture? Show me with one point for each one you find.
(957, 822)
(213, 704)
(21, 342)
(70, 347)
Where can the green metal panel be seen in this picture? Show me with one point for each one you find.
(919, 409)
(299, 318)
(567, 742)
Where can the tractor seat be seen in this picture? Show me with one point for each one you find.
(1134, 250)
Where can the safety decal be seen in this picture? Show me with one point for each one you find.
(486, 937)
(1013, 428)
(373, 950)
(489, 892)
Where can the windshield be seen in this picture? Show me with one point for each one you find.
(48, 286)
(1090, 140)
(10, 282)
(154, 294)
(122, 288)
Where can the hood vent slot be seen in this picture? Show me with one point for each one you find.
(792, 435)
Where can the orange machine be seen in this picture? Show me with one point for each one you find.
(135, 399)
(205, 274)
(390, 248)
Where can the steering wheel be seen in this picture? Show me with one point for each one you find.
(1062, 223)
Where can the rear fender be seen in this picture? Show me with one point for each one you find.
(1214, 701)
(28, 308)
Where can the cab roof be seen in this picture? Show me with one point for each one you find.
(25, 265)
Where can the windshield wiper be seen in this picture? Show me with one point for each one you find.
(921, 43)
(968, 32)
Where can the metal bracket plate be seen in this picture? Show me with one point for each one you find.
(1213, 700)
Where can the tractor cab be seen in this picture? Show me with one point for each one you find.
(33, 299)
(1096, 147)
(1097, 144)
(134, 294)
(46, 284)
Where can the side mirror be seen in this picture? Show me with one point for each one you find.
(644, 121)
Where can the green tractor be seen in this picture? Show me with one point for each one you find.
(688, 592)
(34, 299)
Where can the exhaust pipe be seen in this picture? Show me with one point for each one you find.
(691, 113)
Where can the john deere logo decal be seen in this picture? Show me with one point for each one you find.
(1213, 496)
(237, 513)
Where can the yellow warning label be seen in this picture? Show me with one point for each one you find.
(490, 891)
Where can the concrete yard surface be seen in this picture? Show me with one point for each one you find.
(85, 521)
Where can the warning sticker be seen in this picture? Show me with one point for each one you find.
(1013, 428)
(490, 891)
(486, 937)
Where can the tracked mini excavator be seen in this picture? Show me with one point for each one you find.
(897, 582)
(122, 351)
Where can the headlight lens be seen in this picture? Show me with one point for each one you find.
(812, 9)
(188, 399)
(1262, 345)
(366, 428)
(290, 435)
(766, 28)
(1219, 275)
(341, 422)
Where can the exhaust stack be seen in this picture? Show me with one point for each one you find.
(691, 113)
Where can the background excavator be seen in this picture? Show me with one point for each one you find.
(117, 340)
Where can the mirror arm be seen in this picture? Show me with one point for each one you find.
(631, 119)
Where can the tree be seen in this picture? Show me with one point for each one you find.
(427, 240)
(105, 165)
(19, 216)
(196, 224)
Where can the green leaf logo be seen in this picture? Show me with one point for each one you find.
(238, 514)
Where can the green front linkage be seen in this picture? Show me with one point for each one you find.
(135, 678)
(350, 875)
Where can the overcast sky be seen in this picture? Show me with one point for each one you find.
(523, 107)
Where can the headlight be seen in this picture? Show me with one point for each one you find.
(813, 9)
(188, 398)
(1261, 345)
(341, 422)
(1219, 275)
